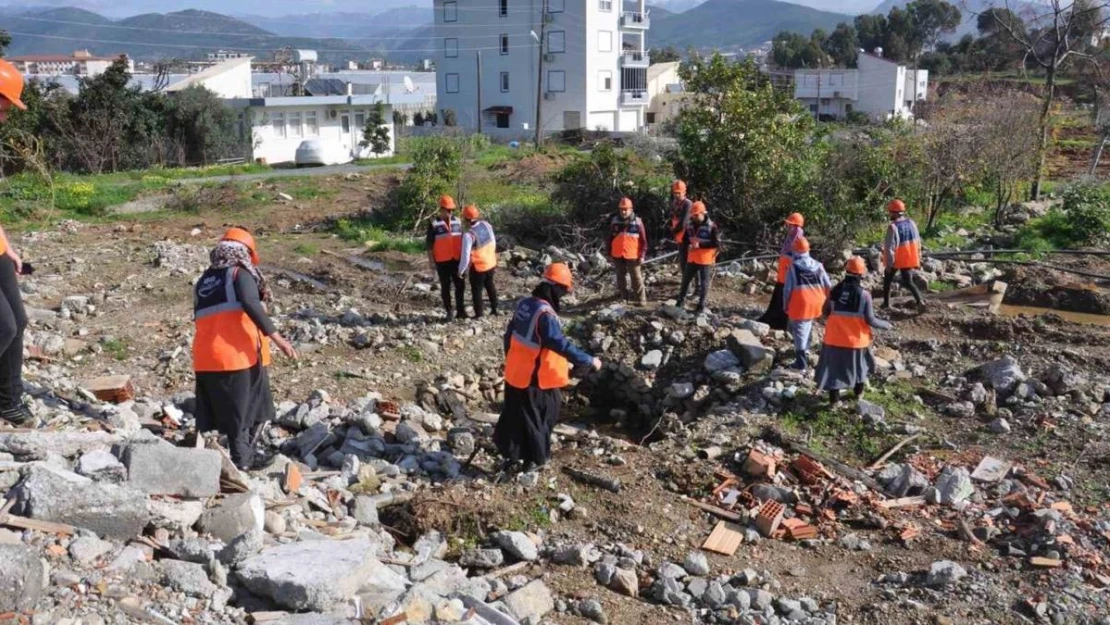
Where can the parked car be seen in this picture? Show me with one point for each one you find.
(316, 152)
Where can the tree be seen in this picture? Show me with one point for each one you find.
(842, 45)
(199, 128)
(670, 54)
(418, 119)
(376, 134)
(399, 118)
(5, 41)
(928, 20)
(450, 119)
(436, 169)
(792, 50)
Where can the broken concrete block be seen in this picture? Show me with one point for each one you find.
(234, 516)
(36, 445)
(175, 515)
(518, 545)
(954, 485)
(22, 578)
(186, 577)
(162, 469)
(102, 466)
(482, 558)
(319, 574)
(720, 360)
(365, 511)
(532, 601)
(87, 549)
(1002, 375)
(50, 494)
(750, 350)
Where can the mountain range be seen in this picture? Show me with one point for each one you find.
(731, 24)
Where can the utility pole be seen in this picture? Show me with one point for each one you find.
(539, 75)
(817, 113)
(479, 56)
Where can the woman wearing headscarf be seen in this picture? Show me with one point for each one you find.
(231, 348)
(775, 315)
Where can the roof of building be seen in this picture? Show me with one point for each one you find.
(657, 69)
(216, 70)
(325, 86)
(877, 57)
(60, 58)
(327, 100)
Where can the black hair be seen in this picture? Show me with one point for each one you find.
(551, 293)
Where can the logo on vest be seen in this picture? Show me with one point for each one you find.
(208, 286)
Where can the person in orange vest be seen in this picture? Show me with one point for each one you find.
(680, 218)
(805, 291)
(13, 317)
(444, 243)
(901, 253)
(479, 255)
(231, 347)
(846, 359)
(703, 240)
(537, 366)
(774, 315)
(627, 248)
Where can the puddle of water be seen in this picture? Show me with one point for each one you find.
(1009, 310)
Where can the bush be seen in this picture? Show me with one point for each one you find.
(1088, 209)
(436, 169)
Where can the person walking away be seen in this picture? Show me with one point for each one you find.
(13, 317)
(627, 248)
(805, 290)
(537, 367)
(680, 219)
(774, 315)
(444, 243)
(231, 346)
(479, 255)
(846, 360)
(703, 240)
(901, 253)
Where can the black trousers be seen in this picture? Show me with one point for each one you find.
(13, 320)
(523, 431)
(480, 280)
(775, 315)
(237, 404)
(689, 273)
(448, 276)
(907, 276)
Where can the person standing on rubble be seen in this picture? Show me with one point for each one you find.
(901, 253)
(703, 241)
(680, 219)
(774, 315)
(805, 291)
(479, 255)
(627, 247)
(444, 243)
(537, 367)
(231, 347)
(13, 317)
(846, 360)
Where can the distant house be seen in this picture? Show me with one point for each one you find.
(878, 88)
(80, 63)
(227, 79)
(666, 94)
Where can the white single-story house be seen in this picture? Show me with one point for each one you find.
(879, 88)
(280, 125)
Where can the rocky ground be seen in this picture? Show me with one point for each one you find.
(694, 478)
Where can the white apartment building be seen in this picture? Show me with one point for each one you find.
(594, 64)
(80, 63)
(879, 88)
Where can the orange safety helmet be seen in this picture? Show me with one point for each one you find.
(697, 209)
(796, 219)
(559, 273)
(625, 203)
(856, 266)
(678, 187)
(447, 202)
(801, 245)
(896, 206)
(11, 84)
(240, 235)
(470, 211)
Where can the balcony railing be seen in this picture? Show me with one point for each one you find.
(605, 5)
(636, 19)
(635, 59)
(634, 97)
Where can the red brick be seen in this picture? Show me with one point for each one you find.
(759, 464)
(769, 517)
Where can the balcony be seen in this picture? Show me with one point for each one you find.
(634, 97)
(636, 20)
(635, 59)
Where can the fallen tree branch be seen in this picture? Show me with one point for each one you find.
(892, 451)
(717, 512)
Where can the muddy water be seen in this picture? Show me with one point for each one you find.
(1010, 310)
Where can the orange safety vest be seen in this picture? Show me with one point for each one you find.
(807, 298)
(702, 234)
(847, 327)
(483, 252)
(448, 240)
(527, 362)
(680, 210)
(226, 339)
(907, 245)
(785, 262)
(626, 237)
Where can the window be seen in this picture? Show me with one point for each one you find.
(848, 109)
(503, 11)
(504, 43)
(450, 47)
(451, 83)
(346, 124)
(294, 125)
(605, 5)
(605, 80)
(812, 108)
(311, 126)
(360, 120)
(502, 120)
(504, 81)
(604, 41)
(554, 6)
(651, 118)
(557, 41)
(557, 81)
(450, 11)
(278, 121)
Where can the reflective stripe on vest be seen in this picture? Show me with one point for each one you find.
(703, 234)
(448, 240)
(907, 254)
(807, 298)
(847, 327)
(527, 363)
(483, 253)
(785, 261)
(626, 238)
(226, 339)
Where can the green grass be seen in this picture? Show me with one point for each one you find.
(411, 353)
(535, 516)
(396, 159)
(360, 231)
(116, 348)
(308, 188)
(307, 249)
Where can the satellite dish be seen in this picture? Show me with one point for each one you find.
(409, 87)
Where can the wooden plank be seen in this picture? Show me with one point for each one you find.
(512, 568)
(892, 451)
(265, 617)
(1045, 563)
(23, 523)
(725, 539)
(717, 512)
(903, 502)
